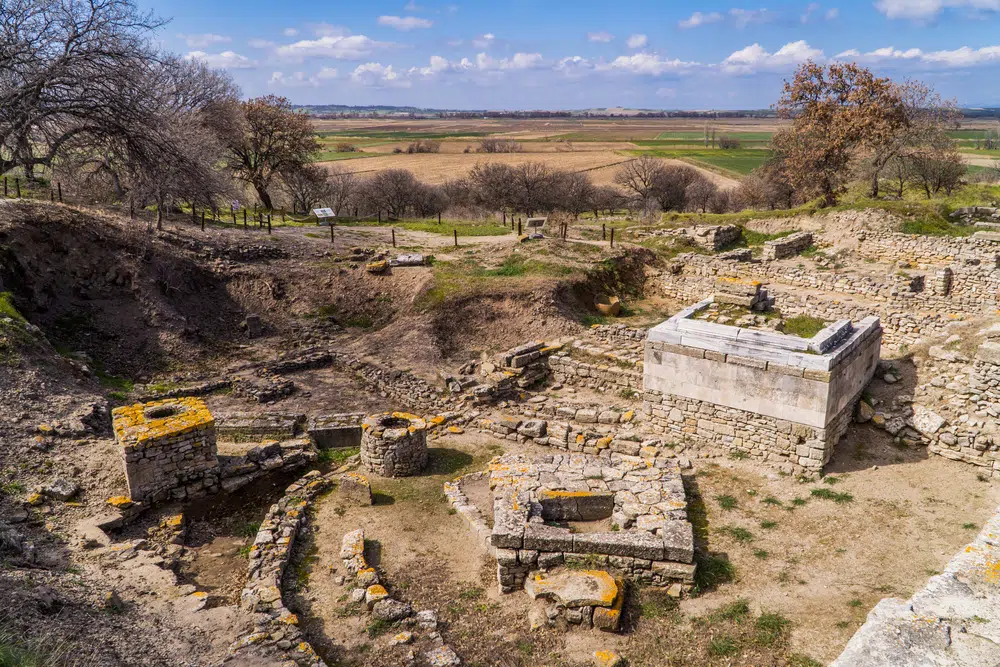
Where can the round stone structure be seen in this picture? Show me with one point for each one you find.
(394, 444)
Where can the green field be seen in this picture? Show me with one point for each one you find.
(734, 163)
(385, 136)
(447, 227)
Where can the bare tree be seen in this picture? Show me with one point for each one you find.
(574, 192)
(394, 191)
(499, 145)
(69, 70)
(492, 185)
(274, 138)
(670, 186)
(699, 193)
(606, 198)
(639, 175)
(342, 189)
(534, 187)
(306, 185)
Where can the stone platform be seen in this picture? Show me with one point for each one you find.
(647, 535)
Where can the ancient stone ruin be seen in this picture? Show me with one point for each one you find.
(168, 448)
(773, 396)
(624, 512)
(394, 445)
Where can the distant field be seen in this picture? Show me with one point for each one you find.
(736, 162)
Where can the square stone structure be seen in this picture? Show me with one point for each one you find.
(648, 537)
(168, 448)
(781, 398)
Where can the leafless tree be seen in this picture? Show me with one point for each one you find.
(728, 143)
(639, 175)
(70, 70)
(429, 201)
(342, 188)
(699, 193)
(607, 198)
(394, 191)
(492, 185)
(534, 187)
(575, 192)
(306, 185)
(424, 146)
(670, 186)
(499, 145)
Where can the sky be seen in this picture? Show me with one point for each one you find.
(538, 54)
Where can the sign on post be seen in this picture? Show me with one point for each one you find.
(324, 215)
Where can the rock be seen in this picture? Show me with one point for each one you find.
(442, 657)
(427, 619)
(357, 595)
(606, 658)
(254, 326)
(401, 638)
(864, 412)
(391, 610)
(46, 600)
(61, 489)
(590, 588)
(356, 488)
(926, 421)
(890, 377)
(375, 593)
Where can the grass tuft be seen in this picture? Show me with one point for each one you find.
(828, 494)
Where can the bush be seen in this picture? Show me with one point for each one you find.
(728, 143)
(346, 148)
(424, 146)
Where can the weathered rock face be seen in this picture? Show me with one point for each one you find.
(394, 445)
(590, 598)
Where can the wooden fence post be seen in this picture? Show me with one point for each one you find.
(59, 187)
(244, 218)
(5, 186)
(604, 232)
(52, 196)
(439, 218)
(380, 217)
(202, 219)
(17, 186)
(519, 226)
(393, 237)
(268, 223)
(456, 237)
(612, 237)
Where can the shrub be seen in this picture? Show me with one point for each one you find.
(346, 148)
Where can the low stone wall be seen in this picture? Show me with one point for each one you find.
(951, 621)
(336, 431)
(567, 370)
(254, 427)
(276, 635)
(716, 237)
(469, 512)
(787, 246)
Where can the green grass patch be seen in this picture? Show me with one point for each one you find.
(337, 456)
(737, 533)
(713, 570)
(830, 494)
(7, 308)
(723, 646)
(767, 524)
(726, 502)
(769, 628)
(803, 326)
(736, 610)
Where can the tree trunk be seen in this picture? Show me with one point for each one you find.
(875, 185)
(265, 198)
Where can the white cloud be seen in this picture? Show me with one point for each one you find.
(961, 57)
(484, 41)
(404, 23)
(744, 17)
(261, 44)
(832, 14)
(602, 36)
(378, 75)
(289, 32)
(699, 19)
(647, 64)
(354, 47)
(412, 6)
(755, 57)
(922, 10)
(811, 8)
(207, 39)
(224, 60)
(301, 79)
(636, 41)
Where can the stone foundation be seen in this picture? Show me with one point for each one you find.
(648, 539)
(168, 449)
(394, 445)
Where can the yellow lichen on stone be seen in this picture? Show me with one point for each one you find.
(133, 428)
(175, 521)
(603, 443)
(437, 420)
(45, 429)
(627, 417)
(121, 502)
(580, 439)
(455, 429)
(35, 499)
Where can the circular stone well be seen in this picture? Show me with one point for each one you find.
(394, 445)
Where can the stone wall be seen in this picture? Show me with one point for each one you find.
(276, 635)
(394, 445)
(716, 237)
(952, 620)
(608, 376)
(787, 246)
(168, 448)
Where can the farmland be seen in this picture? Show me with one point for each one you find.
(594, 146)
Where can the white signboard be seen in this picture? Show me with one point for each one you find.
(323, 213)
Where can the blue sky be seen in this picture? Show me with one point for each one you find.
(535, 54)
